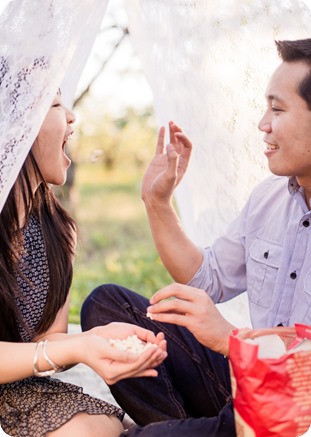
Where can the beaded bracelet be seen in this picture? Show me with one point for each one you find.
(55, 367)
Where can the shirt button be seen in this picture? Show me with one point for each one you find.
(293, 275)
(306, 223)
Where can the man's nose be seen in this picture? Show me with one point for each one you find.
(264, 124)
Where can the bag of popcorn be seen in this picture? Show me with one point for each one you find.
(271, 381)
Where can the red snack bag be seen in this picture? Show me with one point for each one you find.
(271, 381)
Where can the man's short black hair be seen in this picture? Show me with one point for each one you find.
(296, 51)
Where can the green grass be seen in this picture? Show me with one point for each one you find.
(115, 243)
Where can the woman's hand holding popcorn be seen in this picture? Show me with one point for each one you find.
(124, 351)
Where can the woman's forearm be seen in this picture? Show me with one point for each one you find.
(17, 359)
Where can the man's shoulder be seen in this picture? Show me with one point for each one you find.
(272, 192)
(271, 186)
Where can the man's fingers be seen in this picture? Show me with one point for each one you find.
(184, 139)
(176, 319)
(172, 132)
(160, 143)
(174, 290)
(172, 161)
(176, 306)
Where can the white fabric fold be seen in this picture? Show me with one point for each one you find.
(43, 46)
(208, 64)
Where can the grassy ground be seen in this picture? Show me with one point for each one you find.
(115, 243)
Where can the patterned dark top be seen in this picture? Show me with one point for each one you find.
(34, 266)
(35, 406)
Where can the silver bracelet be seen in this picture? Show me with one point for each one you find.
(54, 366)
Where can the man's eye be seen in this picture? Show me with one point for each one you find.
(274, 109)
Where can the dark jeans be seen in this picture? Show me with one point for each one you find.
(191, 395)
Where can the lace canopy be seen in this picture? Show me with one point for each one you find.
(207, 62)
(42, 45)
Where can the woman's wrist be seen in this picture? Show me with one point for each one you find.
(63, 353)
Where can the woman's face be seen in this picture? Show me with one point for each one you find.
(49, 147)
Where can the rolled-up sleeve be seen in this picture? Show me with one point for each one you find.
(223, 271)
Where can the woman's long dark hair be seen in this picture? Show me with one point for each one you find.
(58, 230)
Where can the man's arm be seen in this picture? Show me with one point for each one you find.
(180, 256)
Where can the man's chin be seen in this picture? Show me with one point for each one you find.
(279, 172)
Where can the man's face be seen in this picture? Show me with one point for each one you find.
(287, 124)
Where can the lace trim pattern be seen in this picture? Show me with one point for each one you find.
(43, 46)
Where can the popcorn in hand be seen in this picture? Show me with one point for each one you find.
(149, 315)
(132, 344)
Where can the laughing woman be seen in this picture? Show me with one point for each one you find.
(37, 240)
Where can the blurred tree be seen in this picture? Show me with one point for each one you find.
(84, 93)
(67, 193)
(127, 141)
(123, 140)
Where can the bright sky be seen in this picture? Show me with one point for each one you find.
(122, 82)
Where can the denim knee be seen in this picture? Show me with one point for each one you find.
(93, 307)
(109, 303)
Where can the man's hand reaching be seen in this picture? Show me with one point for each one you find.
(192, 308)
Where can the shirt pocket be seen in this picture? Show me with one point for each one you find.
(262, 269)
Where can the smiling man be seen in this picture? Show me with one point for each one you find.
(266, 251)
(287, 121)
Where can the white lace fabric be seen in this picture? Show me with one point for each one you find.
(43, 46)
(208, 64)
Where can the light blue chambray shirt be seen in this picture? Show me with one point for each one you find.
(266, 251)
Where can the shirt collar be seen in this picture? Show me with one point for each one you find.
(293, 185)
